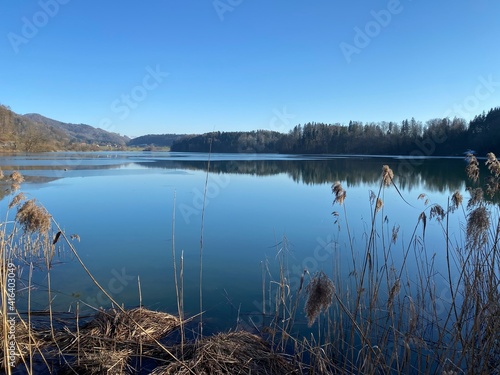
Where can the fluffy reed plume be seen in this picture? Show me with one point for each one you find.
(438, 212)
(33, 218)
(17, 199)
(319, 296)
(472, 168)
(387, 175)
(17, 177)
(339, 193)
(229, 353)
(493, 164)
(1, 174)
(478, 224)
(492, 186)
(456, 200)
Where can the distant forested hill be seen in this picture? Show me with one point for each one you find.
(158, 140)
(36, 133)
(81, 132)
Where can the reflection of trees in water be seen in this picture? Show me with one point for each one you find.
(431, 174)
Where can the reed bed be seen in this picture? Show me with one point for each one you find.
(107, 343)
(123, 326)
(229, 353)
(100, 360)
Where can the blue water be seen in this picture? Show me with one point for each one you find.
(121, 205)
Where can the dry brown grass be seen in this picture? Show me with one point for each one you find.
(229, 353)
(26, 341)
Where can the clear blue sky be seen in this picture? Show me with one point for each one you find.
(191, 66)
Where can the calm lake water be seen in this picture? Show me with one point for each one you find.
(121, 205)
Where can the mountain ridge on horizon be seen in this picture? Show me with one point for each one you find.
(81, 132)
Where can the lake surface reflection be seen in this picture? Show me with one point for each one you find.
(122, 206)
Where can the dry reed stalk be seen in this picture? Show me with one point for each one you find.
(201, 237)
(178, 287)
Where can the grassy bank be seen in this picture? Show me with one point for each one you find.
(393, 311)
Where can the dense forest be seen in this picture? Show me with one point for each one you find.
(410, 137)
